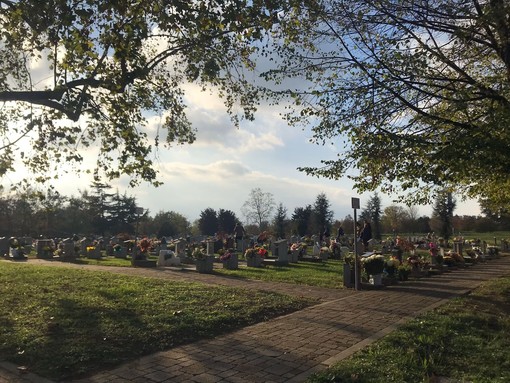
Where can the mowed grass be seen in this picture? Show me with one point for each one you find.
(324, 274)
(62, 323)
(467, 340)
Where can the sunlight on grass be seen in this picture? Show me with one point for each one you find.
(65, 322)
(323, 274)
(467, 340)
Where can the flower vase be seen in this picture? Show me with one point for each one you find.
(254, 261)
(232, 263)
(403, 275)
(376, 279)
(349, 275)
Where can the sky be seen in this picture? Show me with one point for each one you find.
(225, 163)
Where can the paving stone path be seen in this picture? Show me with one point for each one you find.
(292, 347)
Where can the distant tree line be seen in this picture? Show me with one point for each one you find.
(102, 212)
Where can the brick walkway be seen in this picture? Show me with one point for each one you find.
(289, 348)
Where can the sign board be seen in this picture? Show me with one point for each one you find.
(355, 203)
(139, 210)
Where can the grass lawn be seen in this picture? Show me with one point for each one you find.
(325, 274)
(61, 323)
(467, 340)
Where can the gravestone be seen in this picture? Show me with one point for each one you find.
(458, 247)
(120, 251)
(210, 247)
(294, 255)
(26, 243)
(68, 250)
(4, 246)
(180, 248)
(168, 258)
(282, 251)
(45, 248)
(242, 245)
(84, 243)
(94, 252)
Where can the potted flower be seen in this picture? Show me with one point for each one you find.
(295, 252)
(373, 264)
(404, 269)
(229, 259)
(16, 250)
(324, 253)
(349, 271)
(254, 256)
(262, 251)
(203, 262)
(416, 264)
(391, 267)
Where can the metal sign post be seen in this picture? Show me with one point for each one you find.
(355, 205)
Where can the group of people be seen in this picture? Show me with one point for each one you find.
(363, 235)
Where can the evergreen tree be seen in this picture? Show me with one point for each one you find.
(372, 213)
(280, 221)
(322, 213)
(121, 213)
(302, 219)
(208, 222)
(442, 215)
(227, 220)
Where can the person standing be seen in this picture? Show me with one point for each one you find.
(239, 234)
(365, 235)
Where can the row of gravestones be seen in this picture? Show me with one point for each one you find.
(24, 246)
(45, 248)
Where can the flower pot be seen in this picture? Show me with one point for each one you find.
(376, 279)
(204, 265)
(349, 275)
(403, 275)
(254, 261)
(232, 263)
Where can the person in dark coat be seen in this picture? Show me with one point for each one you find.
(365, 235)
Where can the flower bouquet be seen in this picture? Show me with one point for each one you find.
(350, 259)
(324, 253)
(229, 259)
(373, 264)
(254, 256)
(203, 262)
(198, 253)
(391, 266)
(404, 269)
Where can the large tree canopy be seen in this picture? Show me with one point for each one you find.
(106, 64)
(415, 92)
